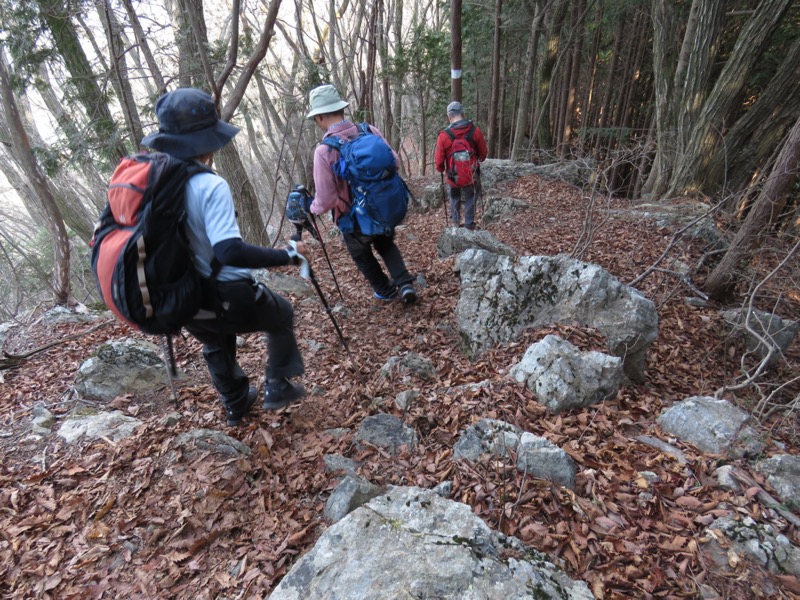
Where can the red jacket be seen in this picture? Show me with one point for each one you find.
(444, 142)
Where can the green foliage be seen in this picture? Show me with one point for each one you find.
(22, 32)
(312, 74)
(425, 57)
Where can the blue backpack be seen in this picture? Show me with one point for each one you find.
(378, 193)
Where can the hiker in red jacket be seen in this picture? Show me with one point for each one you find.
(459, 149)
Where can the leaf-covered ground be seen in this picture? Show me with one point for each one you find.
(142, 519)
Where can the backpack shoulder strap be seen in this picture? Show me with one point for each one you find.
(470, 132)
(332, 141)
(363, 127)
(449, 133)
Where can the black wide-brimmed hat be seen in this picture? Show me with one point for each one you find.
(188, 125)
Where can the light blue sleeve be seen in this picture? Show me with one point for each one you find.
(219, 215)
(210, 219)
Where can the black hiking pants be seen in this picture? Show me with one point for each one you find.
(246, 307)
(360, 247)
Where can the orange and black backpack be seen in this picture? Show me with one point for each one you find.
(461, 163)
(141, 259)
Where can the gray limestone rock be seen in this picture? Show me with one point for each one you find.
(408, 366)
(535, 455)
(763, 332)
(498, 208)
(114, 426)
(563, 378)
(412, 543)
(385, 431)
(541, 458)
(351, 493)
(457, 239)
(501, 297)
(209, 440)
(128, 366)
(713, 425)
(783, 475)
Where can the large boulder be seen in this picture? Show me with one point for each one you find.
(120, 367)
(498, 208)
(501, 297)
(412, 543)
(496, 171)
(563, 377)
(694, 220)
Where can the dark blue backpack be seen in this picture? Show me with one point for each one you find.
(378, 193)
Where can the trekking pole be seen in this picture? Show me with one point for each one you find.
(325, 252)
(169, 362)
(444, 201)
(307, 273)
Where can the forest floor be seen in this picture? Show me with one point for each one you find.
(138, 519)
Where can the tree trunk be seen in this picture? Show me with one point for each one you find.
(121, 80)
(55, 15)
(574, 75)
(66, 121)
(693, 71)
(608, 92)
(397, 104)
(38, 182)
(144, 48)
(525, 105)
(455, 51)
(722, 281)
(751, 139)
(664, 66)
(689, 175)
(368, 95)
(543, 100)
(494, 99)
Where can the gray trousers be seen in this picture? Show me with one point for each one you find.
(468, 195)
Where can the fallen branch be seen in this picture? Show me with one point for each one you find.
(10, 361)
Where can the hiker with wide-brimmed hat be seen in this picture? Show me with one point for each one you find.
(333, 194)
(190, 129)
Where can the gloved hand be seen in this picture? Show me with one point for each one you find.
(306, 203)
(296, 251)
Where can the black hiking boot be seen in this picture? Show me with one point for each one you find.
(236, 412)
(281, 392)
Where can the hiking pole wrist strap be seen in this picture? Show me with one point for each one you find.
(297, 258)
